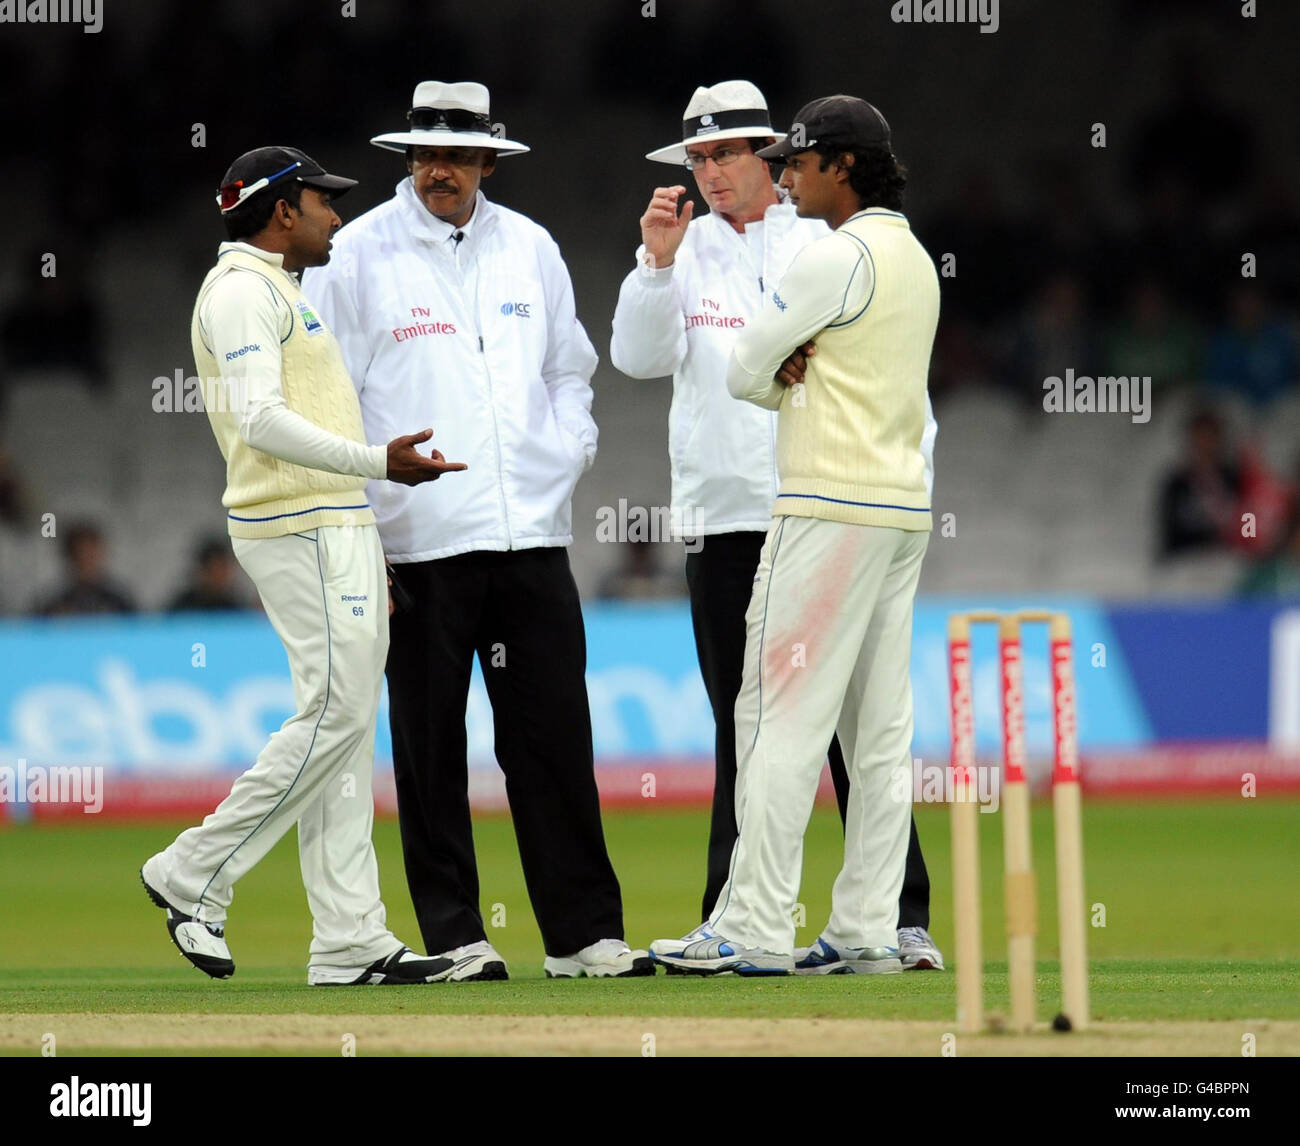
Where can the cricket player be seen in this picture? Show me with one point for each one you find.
(459, 311)
(286, 418)
(695, 287)
(828, 631)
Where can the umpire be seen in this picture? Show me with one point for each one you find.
(451, 305)
(723, 452)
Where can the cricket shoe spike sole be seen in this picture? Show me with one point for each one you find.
(204, 946)
(749, 969)
(877, 965)
(403, 967)
(639, 968)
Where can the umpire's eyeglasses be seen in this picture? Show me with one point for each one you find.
(723, 156)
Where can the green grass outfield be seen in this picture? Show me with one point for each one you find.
(1198, 897)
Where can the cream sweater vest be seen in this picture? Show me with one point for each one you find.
(851, 449)
(267, 496)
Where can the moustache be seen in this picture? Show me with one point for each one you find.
(449, 187)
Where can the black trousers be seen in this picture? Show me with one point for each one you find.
(519, 611)
(721, 578)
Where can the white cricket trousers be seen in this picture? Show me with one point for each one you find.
(325, 591)
(827, 650)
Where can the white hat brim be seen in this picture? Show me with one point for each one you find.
(401, 140)
(675, 153)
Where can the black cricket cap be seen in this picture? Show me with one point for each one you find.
(837, 121)
(268, 166)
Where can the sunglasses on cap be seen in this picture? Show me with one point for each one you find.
(450, 118)
(233, 194)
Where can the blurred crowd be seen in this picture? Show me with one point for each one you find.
(1194, 280)
(1195, 284)
(1221, 498)
(214, 583)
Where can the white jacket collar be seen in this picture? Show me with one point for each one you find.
(424, 225)
(779, 219)
(274, 258)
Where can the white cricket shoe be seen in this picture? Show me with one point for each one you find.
(677, 946)
(823, 959)
(918, 951)
(604, 959)
(715, 955)
(476, 963)
(203, 944)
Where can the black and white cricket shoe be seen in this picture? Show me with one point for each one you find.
(401, 967)
(203, 944)
(476, 963)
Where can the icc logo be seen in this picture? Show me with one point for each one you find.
(516, 308)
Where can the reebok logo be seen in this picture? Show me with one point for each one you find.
(251, 348)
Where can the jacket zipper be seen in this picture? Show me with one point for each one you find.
(492, 404)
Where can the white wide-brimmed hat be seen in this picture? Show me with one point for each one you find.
(449, 115)
(733, 109)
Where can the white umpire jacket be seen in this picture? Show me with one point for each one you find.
(684, 320)
(479, 339)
